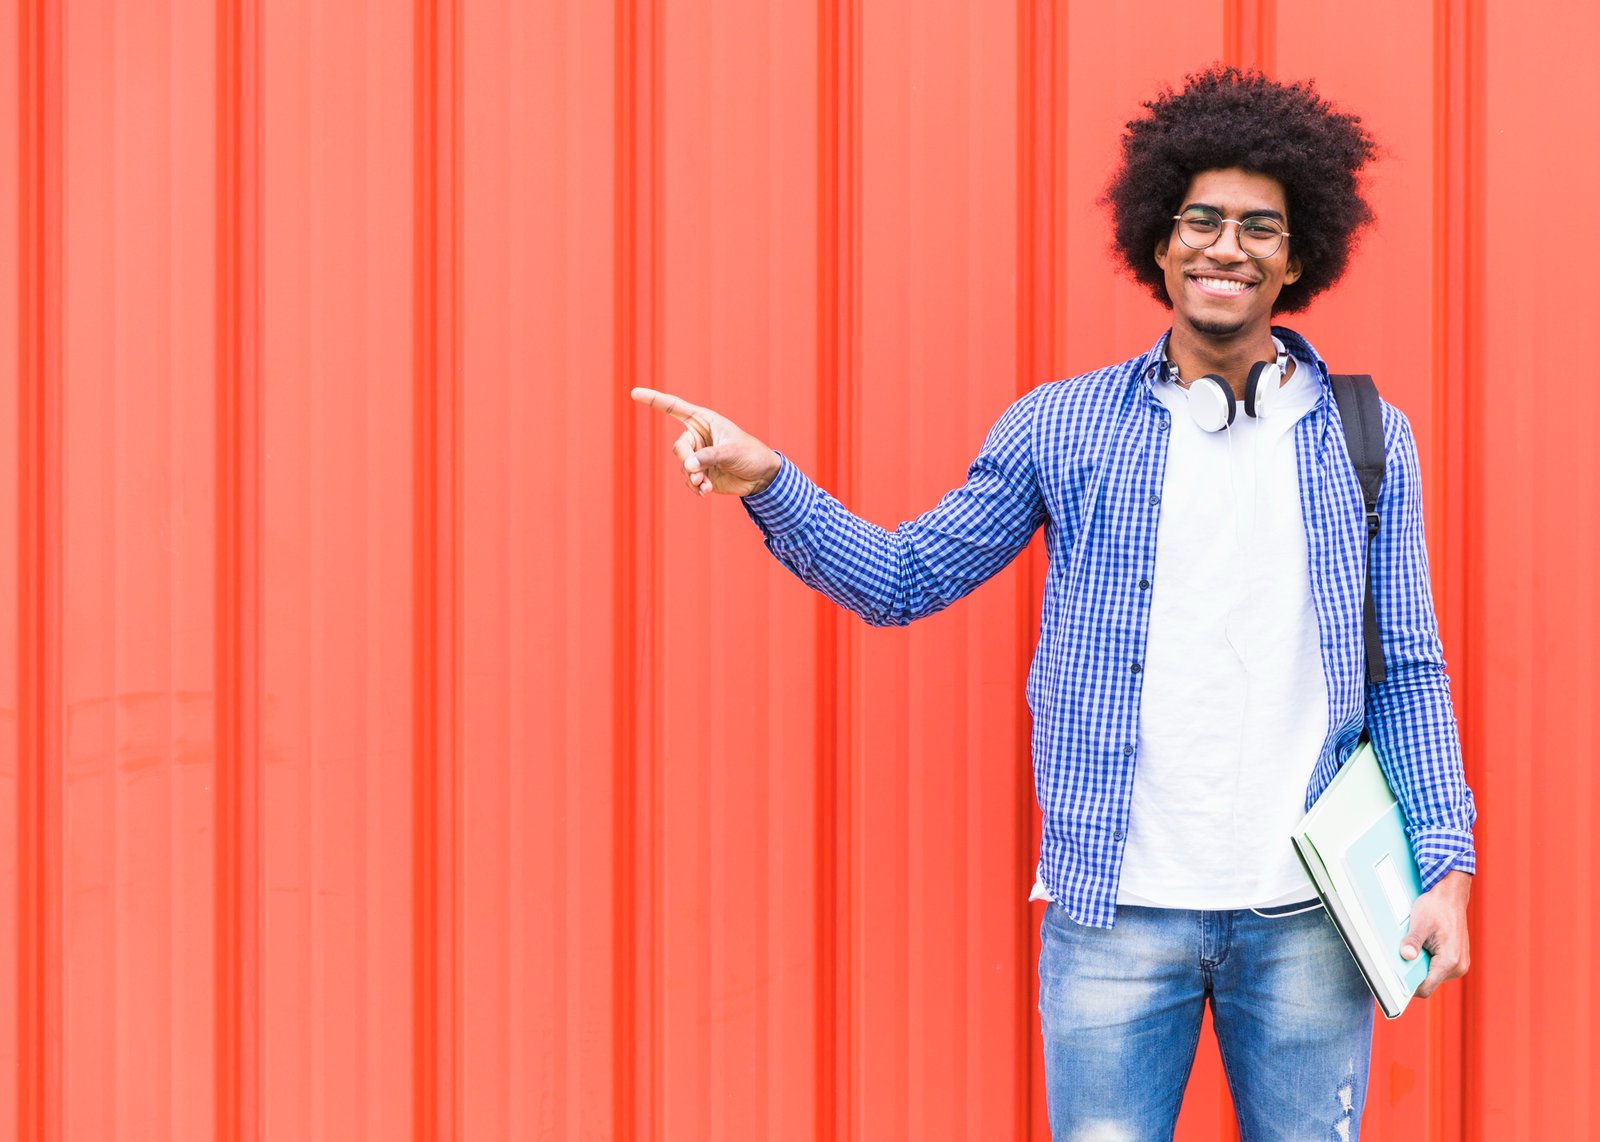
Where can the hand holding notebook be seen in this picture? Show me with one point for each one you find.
(1354, 846)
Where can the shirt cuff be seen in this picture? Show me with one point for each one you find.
(1443, 850)
(785, 504)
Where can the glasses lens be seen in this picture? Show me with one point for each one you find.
(1199, 228)
(1260, 237)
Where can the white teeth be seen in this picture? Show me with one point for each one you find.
(1224, 284)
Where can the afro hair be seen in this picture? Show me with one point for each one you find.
(1227, 118)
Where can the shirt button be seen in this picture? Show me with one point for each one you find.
(1117, 836)
(1154, 499)
(1161, 426)
(1127, 751)
(1135, 668)
(1144, 584)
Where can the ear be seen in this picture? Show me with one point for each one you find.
(1291, 273)
(1161, 253)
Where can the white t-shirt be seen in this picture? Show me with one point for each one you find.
(1234, 705)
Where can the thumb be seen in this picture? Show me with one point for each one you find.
(1412, 943)
(708, 457)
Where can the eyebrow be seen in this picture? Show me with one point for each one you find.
(1260, 213)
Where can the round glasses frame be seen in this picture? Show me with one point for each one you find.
(1266, 241)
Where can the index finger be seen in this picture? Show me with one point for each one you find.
(665, 402)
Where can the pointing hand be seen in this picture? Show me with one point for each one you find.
(717, 455)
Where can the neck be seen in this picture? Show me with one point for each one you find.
(1198, 354)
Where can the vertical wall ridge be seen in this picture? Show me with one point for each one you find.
(624, 577)
(238, 573)
(39, 836)
(636, 355)
(827, 635)
(1455, 484)
(1036, 244)
(652, 874)
(838, 355)
(453, 554)
(1250, 33)
(436, 1056)
(848, 685)
(624, 654)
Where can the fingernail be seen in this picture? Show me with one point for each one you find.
(1409, 952)
(692, 464)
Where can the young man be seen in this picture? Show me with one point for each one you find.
(1200, 671)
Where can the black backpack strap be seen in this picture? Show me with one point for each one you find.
(1362, 415)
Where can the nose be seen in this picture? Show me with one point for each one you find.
(1227, 247)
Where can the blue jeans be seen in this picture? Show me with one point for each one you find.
(1121, 1010)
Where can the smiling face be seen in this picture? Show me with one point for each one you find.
(1221, 293)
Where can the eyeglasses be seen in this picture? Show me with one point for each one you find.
(1199, 227)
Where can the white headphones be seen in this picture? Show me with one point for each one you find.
(1212, 403)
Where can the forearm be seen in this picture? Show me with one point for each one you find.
(874, 572)
(924, 565)
(1409, 715)
(1412, 725)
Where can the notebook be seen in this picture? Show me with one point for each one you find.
(1353, 845)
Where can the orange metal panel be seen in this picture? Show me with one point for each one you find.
(733, 1002)
(391, 749)
(1533, 617)
(339, 1026)
(545, 875)
(136, 569)
(936, 755)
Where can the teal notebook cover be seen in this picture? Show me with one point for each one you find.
(1386, 880)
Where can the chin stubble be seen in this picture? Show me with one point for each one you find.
(1218, 328)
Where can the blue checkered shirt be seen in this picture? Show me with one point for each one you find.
(1085, 458)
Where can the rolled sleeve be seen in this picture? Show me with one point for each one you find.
(1443, 850)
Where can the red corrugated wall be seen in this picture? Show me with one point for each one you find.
(392, 749)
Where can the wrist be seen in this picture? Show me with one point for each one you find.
(764, 481)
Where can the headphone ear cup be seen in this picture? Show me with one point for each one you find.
(1211, 403)
(1264, 380)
